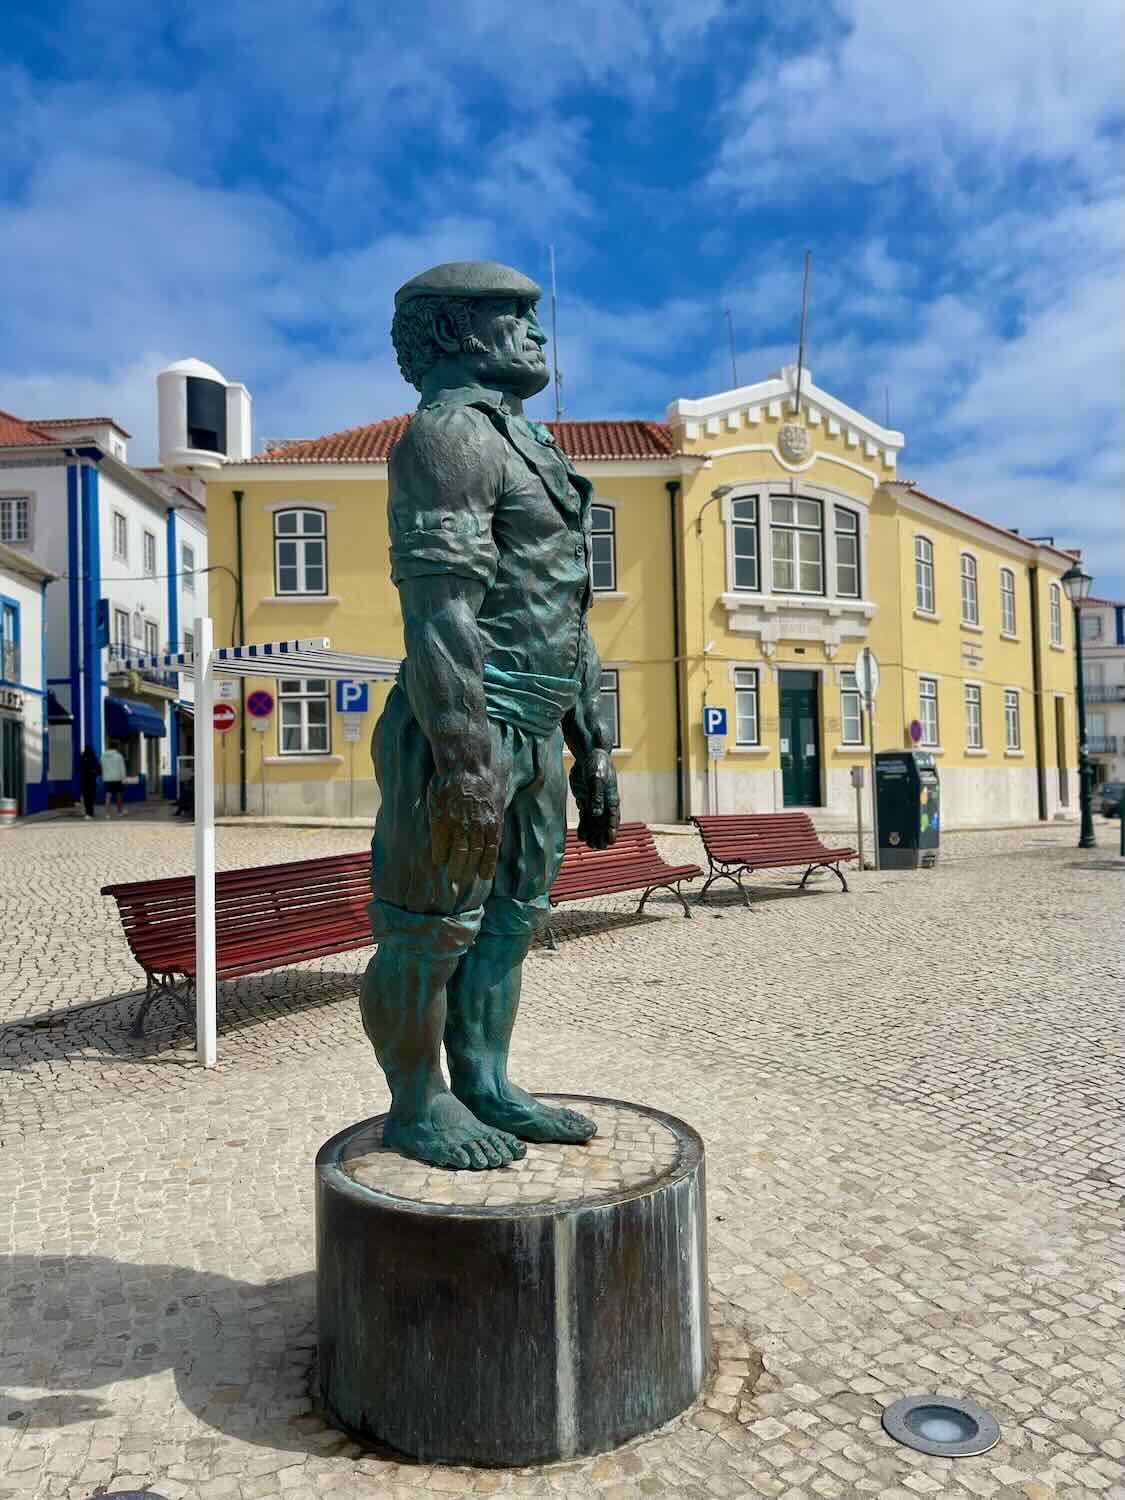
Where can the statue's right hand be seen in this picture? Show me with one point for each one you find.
(465, 824)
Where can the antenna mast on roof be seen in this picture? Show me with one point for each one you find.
(733, 364)
(555, 341)
(801, 346)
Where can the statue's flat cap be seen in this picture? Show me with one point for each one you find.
(468, 278)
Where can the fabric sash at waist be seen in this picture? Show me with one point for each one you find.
(530, 701)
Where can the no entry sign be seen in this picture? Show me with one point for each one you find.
(225, 716)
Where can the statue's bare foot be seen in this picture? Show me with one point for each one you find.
(513, 1109)
(451, 1136)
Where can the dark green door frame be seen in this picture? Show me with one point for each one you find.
(799, 737)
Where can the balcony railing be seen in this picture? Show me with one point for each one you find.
(1101, 744)
(116, 668)
(1104, 692)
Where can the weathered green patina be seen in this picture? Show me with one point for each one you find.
(490, 552)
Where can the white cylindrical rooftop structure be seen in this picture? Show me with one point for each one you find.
(204, 419)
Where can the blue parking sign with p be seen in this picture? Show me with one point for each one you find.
(714, 721)
(351, 697)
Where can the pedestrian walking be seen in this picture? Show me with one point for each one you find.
(113, 773)
(89, 769)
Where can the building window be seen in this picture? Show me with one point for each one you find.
(744, 529)
(611, 706)
(928, 710)
(974, 735)
(798, 546)
(851, 710)
(924, 574)
(187, 567)
(1011, 719)
(10, 642)
(304, 716)
(1007, 601)
(121, 632)
(969, 611)
(120, 537)
(150, 554)
(1056, 615)
(15, 518)
(189, 640)
(152, 639)
(746, 706)
(603, 549)
(1091, 625)
(299, 556)
(847, 552)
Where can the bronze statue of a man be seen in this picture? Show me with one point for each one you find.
(490, 552)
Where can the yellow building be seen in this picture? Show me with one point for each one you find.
(744, 551)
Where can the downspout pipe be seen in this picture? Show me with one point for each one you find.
(1037, 690)
(241, 611)
(673, 487)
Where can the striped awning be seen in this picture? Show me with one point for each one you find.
(306, 658)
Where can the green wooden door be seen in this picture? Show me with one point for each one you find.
(799, 735)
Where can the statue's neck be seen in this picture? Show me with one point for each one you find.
(452, 375)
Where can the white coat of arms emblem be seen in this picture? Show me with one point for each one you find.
(794, 442)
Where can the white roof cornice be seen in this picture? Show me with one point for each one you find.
(782, 386)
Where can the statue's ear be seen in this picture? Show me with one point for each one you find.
(446, 336)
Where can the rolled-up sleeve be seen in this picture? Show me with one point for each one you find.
(445, 479)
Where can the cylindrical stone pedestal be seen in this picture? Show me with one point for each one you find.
(551, 1308)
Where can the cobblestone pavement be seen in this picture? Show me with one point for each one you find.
(908, 1097)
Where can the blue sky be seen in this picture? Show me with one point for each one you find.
(248, 182)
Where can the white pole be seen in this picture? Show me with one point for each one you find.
(869, 703)
(206, 1041)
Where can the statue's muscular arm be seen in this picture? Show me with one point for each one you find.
(592, 777)
(446, 657)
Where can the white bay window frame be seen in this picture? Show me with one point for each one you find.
(302, 729)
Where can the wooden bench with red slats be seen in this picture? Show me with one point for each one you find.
(266, 917)
(633, 863)
(737, 844)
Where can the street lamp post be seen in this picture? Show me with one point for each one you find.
(1077, 583)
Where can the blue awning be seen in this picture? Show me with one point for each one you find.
(123, 717)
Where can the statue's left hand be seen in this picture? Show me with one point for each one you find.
(594, 784)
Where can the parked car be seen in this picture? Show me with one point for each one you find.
(1108, 798)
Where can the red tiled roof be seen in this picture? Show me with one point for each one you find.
(78, 422)
(16, 433)
(373, 442)
(1105, 603)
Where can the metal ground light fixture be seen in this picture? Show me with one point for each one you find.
(942, 1425)
(1077, 583)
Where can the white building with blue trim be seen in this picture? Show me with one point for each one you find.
(23, 686)
(128, 547)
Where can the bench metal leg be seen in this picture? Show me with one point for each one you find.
(736, 879)
(550, 935)
(839, 874)
(805, 876)
(675, 891)
(164, 984)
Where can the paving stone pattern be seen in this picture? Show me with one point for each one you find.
(909, 1098)
(629, 1150)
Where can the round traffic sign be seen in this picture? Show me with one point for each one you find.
(259, 705)
(225, 716)
(867, 673)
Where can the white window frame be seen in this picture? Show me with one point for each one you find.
(189, 642)
(1012, 719)
(1007, 601)
(119, 528)
(11, 666)
(122, 628)
(151, 637)
(974, 699)
(747, 693)
(837, 533)
(850, 689)
(298, 537)
(1090, 624)
(148, 544)
(924, 579)
(595, 532)
(797, 530)
(295, 691)
(13, 506)
(970, 593)
(929, 741)
(1055, 608)
(187, 567)
(611, 692)
(754, 527)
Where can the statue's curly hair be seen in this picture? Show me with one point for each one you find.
(412, 333)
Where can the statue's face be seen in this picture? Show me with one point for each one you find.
(513, 341)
